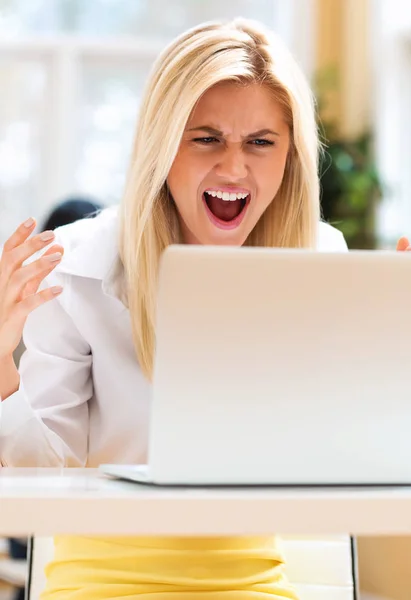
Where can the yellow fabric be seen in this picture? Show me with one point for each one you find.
(243, 568)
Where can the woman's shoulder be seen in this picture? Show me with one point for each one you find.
(330, 239)
(84, 230)
(90, 245)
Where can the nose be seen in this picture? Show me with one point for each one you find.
(232, 165)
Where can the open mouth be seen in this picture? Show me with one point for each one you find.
(226, 209)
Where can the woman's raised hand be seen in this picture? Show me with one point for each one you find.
(19, 283)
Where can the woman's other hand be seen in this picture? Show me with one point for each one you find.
(403, 245)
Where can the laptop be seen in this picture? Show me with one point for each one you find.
(280, 367)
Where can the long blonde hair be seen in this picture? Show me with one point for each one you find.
(241, 51)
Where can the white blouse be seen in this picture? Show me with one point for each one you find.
(83, 399)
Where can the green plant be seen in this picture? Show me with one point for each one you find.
(350, 185)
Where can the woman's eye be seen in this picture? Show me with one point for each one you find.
(261, 143)
(206, 140)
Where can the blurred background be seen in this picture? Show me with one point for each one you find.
(71, 78)
(72, 74)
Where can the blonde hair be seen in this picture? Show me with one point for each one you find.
(240, 51)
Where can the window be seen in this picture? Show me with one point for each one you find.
(24, 83)
(392, 115)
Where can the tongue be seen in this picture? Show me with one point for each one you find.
(223, 209)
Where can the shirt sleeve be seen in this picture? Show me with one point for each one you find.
(45, 423)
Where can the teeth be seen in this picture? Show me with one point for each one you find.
(227, 196)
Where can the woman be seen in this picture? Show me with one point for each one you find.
(225, 153)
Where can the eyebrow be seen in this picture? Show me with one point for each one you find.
(218, 133)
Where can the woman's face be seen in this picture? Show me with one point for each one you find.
(230, 163)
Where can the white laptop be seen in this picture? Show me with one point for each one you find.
(280, 367)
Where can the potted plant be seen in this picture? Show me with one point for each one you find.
(350, 185)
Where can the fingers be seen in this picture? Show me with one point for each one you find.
(20, 235)
(19, 254)
(403, 244)
(33, 285)
(26, 306)
(31, 275)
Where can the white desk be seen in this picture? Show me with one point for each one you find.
(52, 501)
